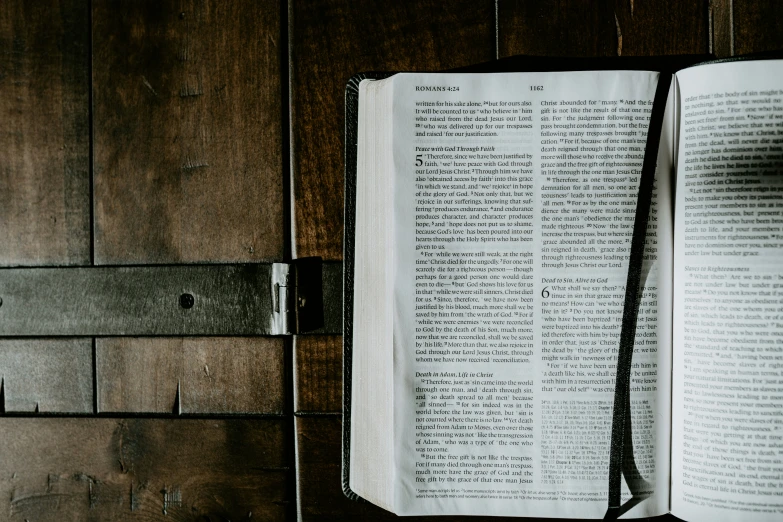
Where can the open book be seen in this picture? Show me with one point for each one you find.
(489, 230)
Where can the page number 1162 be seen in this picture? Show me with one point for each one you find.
(536, 87)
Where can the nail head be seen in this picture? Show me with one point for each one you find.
(186, 301)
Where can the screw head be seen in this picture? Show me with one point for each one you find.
(186, 301)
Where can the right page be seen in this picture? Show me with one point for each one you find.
(727, 435)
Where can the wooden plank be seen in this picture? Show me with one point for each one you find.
(60, 469)
(605, 28)
(50, 375)
(758, 26)
(187, 131)
(722, 28)
(556, 28)
(44, 133)
(335, 39)
(318, 373)
(209, 375)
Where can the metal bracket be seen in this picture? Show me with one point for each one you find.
(281, 302)
(297, 295)
(304, 296)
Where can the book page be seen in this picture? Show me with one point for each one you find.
(727, 454)
(514, 205)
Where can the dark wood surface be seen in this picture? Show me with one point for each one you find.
(318, 377)
(45, 132)
(187, 131)
(191, 375)
(758, 26)
(46, 375)
(78, 470)
(602, 28)
(721, 18)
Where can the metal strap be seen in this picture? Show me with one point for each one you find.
(183, 300)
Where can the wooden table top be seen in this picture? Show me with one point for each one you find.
(197, 131)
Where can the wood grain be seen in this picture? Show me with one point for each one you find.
(213, 375)
(758, 26)
(44, 133)
(604, 28)
(556, 28)
(48, 376)
(144, 470)
(318, 373)
(187, 131)
(722, 27)
(330, 42)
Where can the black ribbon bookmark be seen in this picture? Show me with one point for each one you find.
(621, 455)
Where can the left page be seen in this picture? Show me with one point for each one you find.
(514, 202)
